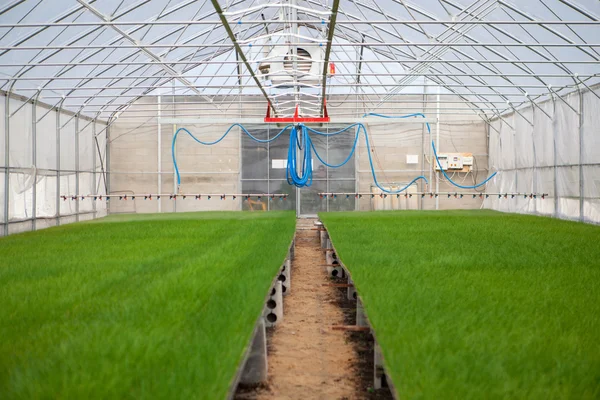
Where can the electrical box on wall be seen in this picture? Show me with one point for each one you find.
(455, 162)
(443, 162)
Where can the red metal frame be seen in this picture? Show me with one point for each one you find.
(297, 119)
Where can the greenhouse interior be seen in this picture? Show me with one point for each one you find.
(427, 172)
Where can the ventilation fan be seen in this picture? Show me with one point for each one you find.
(278, 66)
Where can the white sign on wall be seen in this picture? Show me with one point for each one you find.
(412, 158)
(279, 164)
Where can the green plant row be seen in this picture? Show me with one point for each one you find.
(153, 306)
(478, 304)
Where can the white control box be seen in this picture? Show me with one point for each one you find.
(455, 161)
(443, 159)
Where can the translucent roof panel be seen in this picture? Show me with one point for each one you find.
(97, 56)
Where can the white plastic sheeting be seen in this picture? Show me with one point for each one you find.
(591, 156)
(556, 154)
(38, 139)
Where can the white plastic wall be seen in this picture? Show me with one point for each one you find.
(557, 155)
(42, 164)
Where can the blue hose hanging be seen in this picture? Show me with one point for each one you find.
(300, 174)
(362, 128)
(216, 141)
(435, 151)
(304, 178)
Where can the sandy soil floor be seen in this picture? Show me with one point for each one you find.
(308, 360)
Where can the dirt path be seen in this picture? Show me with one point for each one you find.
(307, 360)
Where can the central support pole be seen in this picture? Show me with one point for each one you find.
(94, 175)
(437, 143)
(34, 163)
(424, 139)
(175, 183)
(77, 167)
(6, 162)
(159, 153)
(107, 162)
(58, 165)
(581, 158)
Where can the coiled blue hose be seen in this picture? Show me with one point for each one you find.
(304, 178)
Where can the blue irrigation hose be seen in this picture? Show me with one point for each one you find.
(435, 151)
(304, 178)
(398, 116)
(333, 134)
(301, 175)
(454, 183)
(362, 128)
(216, 141)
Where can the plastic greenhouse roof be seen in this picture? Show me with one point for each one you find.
(95, 57)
